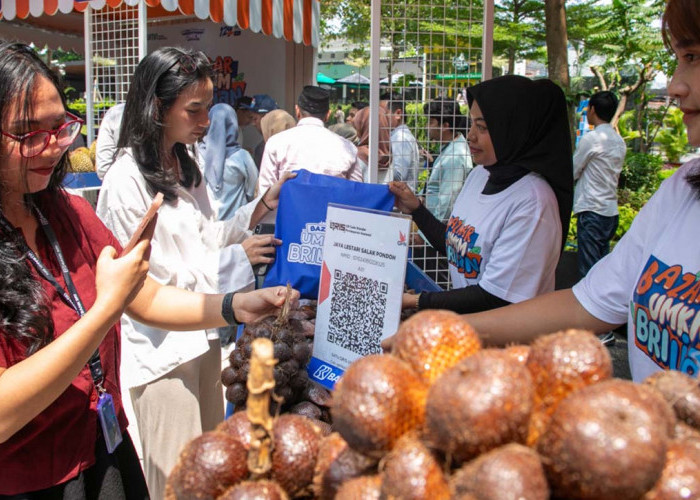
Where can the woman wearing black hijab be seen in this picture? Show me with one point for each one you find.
(509, 222)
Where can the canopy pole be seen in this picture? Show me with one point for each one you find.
(143, 30)
(487, 42)
(89, 77)
(372, 171)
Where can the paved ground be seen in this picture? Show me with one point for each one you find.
(567, 276)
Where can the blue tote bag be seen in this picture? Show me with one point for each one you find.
(301, 224)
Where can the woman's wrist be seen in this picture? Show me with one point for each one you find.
(227, 310)
(262, 200)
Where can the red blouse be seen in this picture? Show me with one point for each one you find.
(60, 442)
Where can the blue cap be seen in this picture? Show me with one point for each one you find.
(261, 103)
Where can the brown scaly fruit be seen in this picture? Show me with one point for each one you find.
(682, 393)
(561, 363)
(684, 432)
(378, 400)
(361, 488)
(237, 426)
(680, 478)
(330, 447)
(207, 466)
(432, 341)
(410, 472)
(262, 489)
(337, 463)
(519, 352)
(481, 403)
(607, 441)
(296, 443)
(511, 472)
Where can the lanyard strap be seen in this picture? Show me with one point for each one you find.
(70, 297)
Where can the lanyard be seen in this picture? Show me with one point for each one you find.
(70, 297)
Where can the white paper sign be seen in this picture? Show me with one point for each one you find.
(362, 279)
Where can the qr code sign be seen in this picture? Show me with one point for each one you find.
(357, 312)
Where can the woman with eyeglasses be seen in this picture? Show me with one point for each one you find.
(174, 377)
(62, 425)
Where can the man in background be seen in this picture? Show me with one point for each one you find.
(309, 145)
(598, 161)
(405, 158)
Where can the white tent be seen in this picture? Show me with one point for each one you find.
(355, 78)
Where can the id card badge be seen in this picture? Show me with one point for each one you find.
(108, 420)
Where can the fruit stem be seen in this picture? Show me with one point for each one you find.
(261, 383)
(283, 316)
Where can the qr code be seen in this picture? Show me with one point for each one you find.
(357, 312)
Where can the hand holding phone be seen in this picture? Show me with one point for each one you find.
(147, 225)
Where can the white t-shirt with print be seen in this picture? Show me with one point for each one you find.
(651, 280)
(508, 242)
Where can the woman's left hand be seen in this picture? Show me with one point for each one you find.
(249, 307)
(272, 195)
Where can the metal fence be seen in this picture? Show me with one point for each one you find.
(113, 50)
(436, 53)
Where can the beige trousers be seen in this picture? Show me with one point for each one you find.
(175, 409)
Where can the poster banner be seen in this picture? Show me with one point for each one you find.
(362, 279)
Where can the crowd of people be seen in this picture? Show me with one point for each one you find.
(86, 327)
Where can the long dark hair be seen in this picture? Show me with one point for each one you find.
(24, 312)
(681, 21)
(159, 79)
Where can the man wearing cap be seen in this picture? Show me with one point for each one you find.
(259, 106)
(309, 145)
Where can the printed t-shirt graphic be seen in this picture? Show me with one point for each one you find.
(665, 318)
(462, 251)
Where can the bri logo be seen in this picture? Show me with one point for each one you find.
(402, 239)
(325, 372)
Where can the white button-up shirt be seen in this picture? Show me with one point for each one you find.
(405, 158)
(598, 162)
(311, 146)
(190, 249)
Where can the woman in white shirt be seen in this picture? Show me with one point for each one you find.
(509, 221)
(173, 377)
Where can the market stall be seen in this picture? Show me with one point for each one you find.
(262, 46)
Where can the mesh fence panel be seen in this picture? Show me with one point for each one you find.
(435, 54)
(115, 37)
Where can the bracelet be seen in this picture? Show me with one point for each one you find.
(262, 200)
(227, 309)
(417, 300)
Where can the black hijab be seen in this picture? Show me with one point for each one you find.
(529, 128)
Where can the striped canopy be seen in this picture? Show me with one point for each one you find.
(293, 20)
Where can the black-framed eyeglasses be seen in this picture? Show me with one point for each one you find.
(34, 143)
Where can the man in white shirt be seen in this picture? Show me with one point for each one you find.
(107, 138)
(309, 145)
(405, 158)
(598, 161)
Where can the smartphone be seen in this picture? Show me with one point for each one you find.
(261, 269)
(147, 224)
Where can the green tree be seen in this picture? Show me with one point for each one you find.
(631, 46)
(517, 31)
(673, 137)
